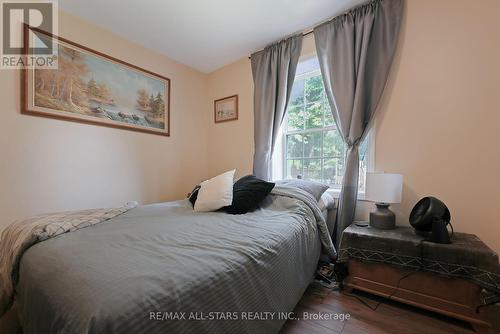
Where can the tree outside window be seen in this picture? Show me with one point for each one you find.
(313, 148)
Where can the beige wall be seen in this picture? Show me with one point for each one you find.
(439, 120)
(50, 165)
(438, 125)
(231, 143)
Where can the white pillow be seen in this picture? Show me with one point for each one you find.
(215, 193)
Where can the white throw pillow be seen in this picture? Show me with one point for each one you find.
(215, 193)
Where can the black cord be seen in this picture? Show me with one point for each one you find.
(479, 307)
(396, 289)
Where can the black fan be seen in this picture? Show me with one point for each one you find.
(431, 215)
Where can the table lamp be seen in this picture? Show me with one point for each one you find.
(383, 189)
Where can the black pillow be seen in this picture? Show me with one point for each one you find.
(248, 193)
(193, 195)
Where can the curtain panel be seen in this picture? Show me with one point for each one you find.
(273, 72)
(355, 52)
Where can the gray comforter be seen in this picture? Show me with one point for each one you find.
(163, 268)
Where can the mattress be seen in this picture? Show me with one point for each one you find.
(164, 268)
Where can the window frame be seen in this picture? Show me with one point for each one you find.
(279, 159)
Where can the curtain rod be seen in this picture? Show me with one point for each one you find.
(332, 18)
(307, 32)
(304, 34)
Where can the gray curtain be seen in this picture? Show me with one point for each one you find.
(355, 52)
(273, 72)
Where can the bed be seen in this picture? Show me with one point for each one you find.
(164, 268)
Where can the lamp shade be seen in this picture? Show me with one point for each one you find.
(384, 187)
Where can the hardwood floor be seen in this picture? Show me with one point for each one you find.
(390, 316)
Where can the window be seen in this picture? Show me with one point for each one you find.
(311, 146)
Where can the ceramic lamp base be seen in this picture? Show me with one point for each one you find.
(382, 217)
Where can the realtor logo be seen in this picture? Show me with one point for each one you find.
(41, 51)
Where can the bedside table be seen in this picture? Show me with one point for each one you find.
(449, 279)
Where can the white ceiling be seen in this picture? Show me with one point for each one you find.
(205, 34)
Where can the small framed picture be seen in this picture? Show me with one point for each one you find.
(226, 109)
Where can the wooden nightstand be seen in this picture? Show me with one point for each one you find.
(447, 279)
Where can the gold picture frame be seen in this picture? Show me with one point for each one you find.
(94, 88)
(226, 109)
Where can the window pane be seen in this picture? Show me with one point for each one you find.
(329, 121)
(295, 118)
(333, 145)
(314, 115)
(293, 168)
(314, 89)
(297, 94)
(312, 144)
(312, 169)
(363, 149)
(363, 165)
(308, 65)
(311, 150)
(294, 147)
(333, 170)
(362, 176)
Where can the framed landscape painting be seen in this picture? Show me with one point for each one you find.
(91, 87)
(226, 109)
